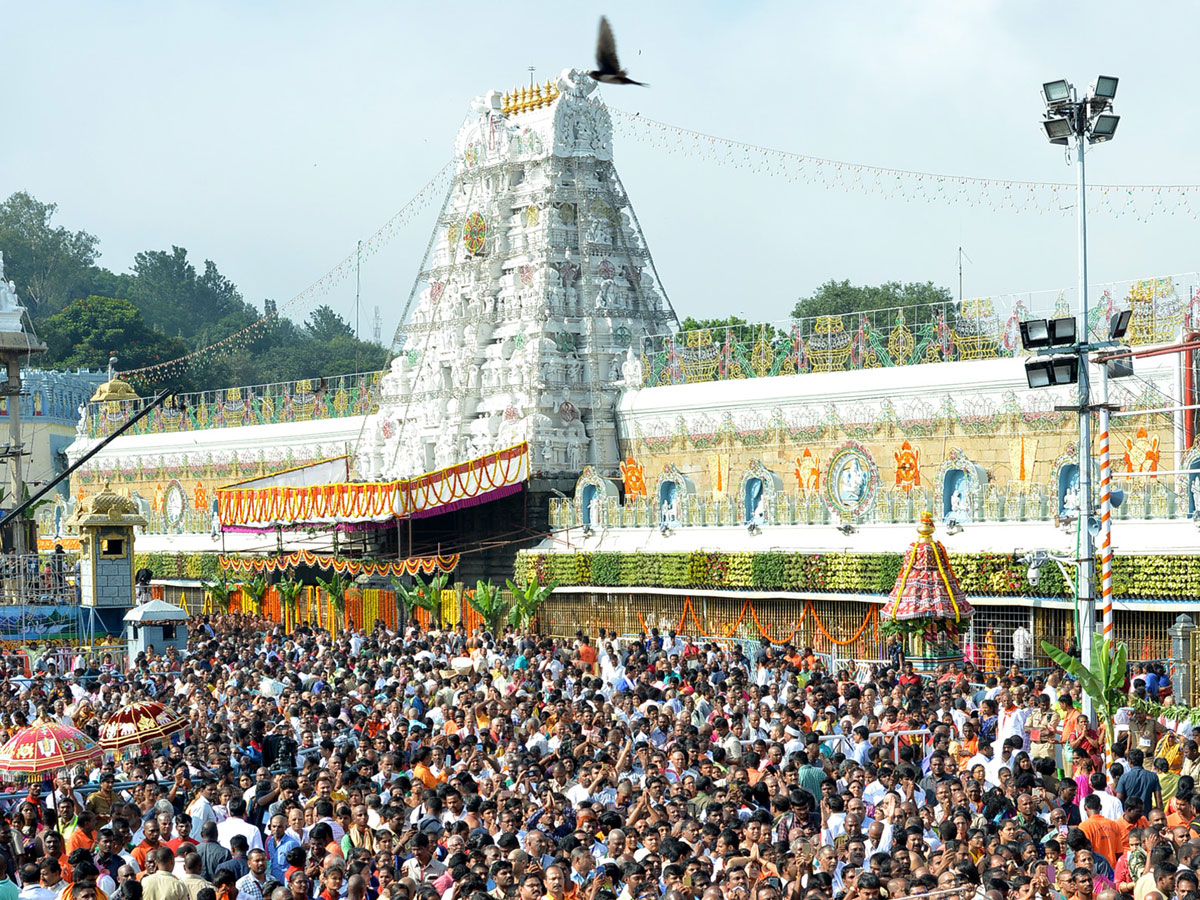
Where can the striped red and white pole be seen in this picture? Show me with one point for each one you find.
(1106, 588)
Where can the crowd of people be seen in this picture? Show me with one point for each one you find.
(455, 766)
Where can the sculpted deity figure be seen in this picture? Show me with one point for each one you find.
(631, 371)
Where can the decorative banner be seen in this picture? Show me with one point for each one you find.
(240, 339)
(1140, 201)
(345, 503)
(418, 564)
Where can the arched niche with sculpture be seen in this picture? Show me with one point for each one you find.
(759, 488)
(670, 491)
(591, 496)
(961, 486)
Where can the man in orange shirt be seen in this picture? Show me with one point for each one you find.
(1183, 813)
(1103, 834)
(84, 835)
(150, 841)
(587, 656)
(1130, 819)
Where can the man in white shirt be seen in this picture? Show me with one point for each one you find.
(237, 824)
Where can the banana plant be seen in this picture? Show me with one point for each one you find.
(423, 595)
(336, 587)
(221, 593)
(526, 601)
(289, 594)
(254, 591)
(488, 600)
(1103, 680)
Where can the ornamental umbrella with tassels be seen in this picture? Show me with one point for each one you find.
(39, 750)
(927, 600)
(139, 726)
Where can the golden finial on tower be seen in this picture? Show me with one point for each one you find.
(537, 96)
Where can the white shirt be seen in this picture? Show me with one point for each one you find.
(232, 826)
(1110, 806)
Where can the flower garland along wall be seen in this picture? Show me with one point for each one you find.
(980, 574)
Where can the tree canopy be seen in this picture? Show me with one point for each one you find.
(837, 298)
(51, 265)
(88, 331)
(164, 307)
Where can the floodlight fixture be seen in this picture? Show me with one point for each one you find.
(1056, 92)
(1058, 129)
(1119, 324)
(1035, 334)
(1052, 371)
(1104, 88)
(1103, 127)
(1039, 333)
(1062, 331)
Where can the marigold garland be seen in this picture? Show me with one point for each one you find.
(357, 501)
(420, 564)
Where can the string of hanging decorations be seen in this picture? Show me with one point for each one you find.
(1137, 201)
(418, 564)
(431, 191)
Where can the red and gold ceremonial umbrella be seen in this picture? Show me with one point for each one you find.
(139, 726)
(39, 750)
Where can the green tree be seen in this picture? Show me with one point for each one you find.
(527, 601)
(421, 594)
(488, 600)
(289, 596)
(336, 587)
(1103, 680)
(220, 592)
(325, 325)
(200, 308)
(839, 298)
(87, 331)
(50, 264)
(254, 591)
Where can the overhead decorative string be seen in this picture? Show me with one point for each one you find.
(431, 191)
(1137, 201)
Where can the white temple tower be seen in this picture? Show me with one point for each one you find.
(538, 287)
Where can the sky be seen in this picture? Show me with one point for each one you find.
(271, 136)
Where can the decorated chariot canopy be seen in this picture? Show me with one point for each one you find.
(927, 598)
(40, 750)
(139, 726)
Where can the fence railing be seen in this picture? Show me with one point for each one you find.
(1145, 500)
(980, 328)
(41, 579)
(261, 404)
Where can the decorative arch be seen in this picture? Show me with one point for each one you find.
(591, 493)
(669, 491)
(759, 488)
(960, 488)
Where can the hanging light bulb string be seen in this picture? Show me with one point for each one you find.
(1140, 201)
(370, 246)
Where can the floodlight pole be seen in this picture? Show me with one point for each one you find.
(1085, 597)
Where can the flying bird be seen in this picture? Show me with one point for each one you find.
(608, 67)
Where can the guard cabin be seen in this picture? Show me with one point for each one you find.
(155, 625)
(105, 524)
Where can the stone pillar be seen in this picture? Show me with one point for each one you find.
(1181, 652)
